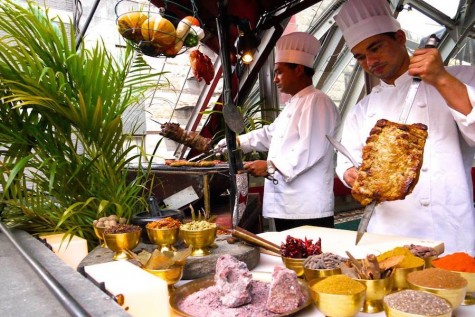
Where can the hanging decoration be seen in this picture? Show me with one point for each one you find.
(161, 28)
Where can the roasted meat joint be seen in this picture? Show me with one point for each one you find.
(392, 159)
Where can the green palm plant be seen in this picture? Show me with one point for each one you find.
(64, 153)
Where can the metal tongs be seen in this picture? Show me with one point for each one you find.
(206, 155)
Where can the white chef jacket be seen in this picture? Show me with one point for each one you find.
(441, 205)
(302, 156)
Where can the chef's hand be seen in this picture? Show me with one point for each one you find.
(256, 168)
(350, 176)
(427, 64)
(222, 148)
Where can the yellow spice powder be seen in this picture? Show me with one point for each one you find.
(338, 284)
(409, 261)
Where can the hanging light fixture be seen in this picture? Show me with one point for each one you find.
(247, 41)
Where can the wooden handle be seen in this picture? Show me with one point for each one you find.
(250, 237)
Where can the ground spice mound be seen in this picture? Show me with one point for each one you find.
(436, 278)
(206, 303)
(417, 302)
(458, 261)
(409, 261)
(338, 284)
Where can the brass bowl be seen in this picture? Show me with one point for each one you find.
(470, 296)
(337, 305)
(311, 274)
(99, 231)
(400, 277)
(428, 261)
(121, 242)
(454, 295)
(185, 290)
(393, 312)
(200, 241)
(171, 275)
(163, 238)
(294, 264)
(375, 292)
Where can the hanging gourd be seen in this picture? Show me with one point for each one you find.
(157, 31)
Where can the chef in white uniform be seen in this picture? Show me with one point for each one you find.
(300, 158)
(441, 205)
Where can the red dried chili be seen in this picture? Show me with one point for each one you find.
(298, 248)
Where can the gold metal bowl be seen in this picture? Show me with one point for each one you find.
(375, 292)
(164, 238)
(200, 241)
(470, 296)
(428, 261)
(400, 277)
(171, 275)
(183, 291)
(454, 295)
(120, 242)
(311, 274)
(294, 264)
(337, 305)
(99, 231)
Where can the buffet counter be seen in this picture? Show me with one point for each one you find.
(338, 241)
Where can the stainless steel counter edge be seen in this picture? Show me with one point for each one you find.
(25, 294)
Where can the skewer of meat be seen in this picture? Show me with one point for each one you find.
(191, 139)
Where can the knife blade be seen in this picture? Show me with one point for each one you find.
(363, 225)
(432, 42)
(343, 150)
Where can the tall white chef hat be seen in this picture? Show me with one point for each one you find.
(297, 48)
(360, 19)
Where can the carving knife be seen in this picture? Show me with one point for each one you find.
(432, 42)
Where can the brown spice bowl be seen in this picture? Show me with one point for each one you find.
(121, 242)
(171, 275)
(375, 292)
(337, 305)
(399, 277)
(311, 274)
(454, 295)
(295, 264)
(164, 238)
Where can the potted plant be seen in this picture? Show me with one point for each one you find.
(64, 154)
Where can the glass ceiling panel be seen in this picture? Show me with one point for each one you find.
(176, 102)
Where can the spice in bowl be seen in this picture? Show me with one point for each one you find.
(446, 284)
(459, 261)
(294, 251)
(323, 261)
(122, 228)
(436, 278)
(165, 223)
(417, 303)
(409, 261)
(338, 284)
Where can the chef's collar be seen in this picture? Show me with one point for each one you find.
(400, 81)
(307, 90)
